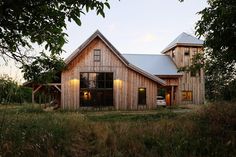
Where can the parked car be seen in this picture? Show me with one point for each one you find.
(161, 101)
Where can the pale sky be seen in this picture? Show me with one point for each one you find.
(132, 26)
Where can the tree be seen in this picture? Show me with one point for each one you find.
(218, 26)
(23, 22)
(44, 69)
(11, 92)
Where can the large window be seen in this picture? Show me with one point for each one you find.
(96, 89)
(187, 95)
(141, 96)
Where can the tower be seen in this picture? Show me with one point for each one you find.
(191, 89)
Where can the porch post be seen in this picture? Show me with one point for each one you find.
(172, 95)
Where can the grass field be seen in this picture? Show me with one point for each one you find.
(208, 130)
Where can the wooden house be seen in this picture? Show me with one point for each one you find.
(98, 75)
(191, 86)
(181, 87)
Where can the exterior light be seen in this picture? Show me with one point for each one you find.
(74, 81)
(141, 89)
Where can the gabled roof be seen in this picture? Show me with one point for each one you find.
(88, 41)
(161, 65)
(184, 39)
(116, 52)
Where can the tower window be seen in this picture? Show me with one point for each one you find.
(173, 53)
(97, 55)
(186, 51)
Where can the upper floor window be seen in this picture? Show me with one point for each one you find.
(187, 51)
(173, 53)
(97, 55)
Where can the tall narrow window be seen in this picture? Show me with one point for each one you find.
(97, 55)
(187, 95)
(141, 96)
(173, 53)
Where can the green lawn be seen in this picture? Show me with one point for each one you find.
(180, 131)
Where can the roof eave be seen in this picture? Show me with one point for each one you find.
(169, 76)
(150, 76)
(180, 44)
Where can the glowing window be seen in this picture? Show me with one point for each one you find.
(187, 95)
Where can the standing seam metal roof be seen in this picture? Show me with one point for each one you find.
(153, 64)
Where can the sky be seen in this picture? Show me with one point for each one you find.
(132, 26)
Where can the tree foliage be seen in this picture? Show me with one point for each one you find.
(44, 69)
(11, 92)
(218, 26)
(23, 22)
(197, 63)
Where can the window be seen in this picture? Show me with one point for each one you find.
(141, 96)
(96, 80)
(186, 51)
(187, 95)
(161, 92)
(97, 55)
(173, 53)
(96, 89)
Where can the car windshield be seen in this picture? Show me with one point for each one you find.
(160, 98)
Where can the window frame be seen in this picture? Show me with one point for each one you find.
(173, 53)
(140, 101)
(97, 55)
(187, 51)
(188, 95)
(91, 82)
(96, 95)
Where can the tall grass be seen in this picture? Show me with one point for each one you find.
(32, 132)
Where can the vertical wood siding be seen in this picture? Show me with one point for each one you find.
(195, 84)
(126, 81)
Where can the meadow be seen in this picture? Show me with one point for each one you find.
(202, 131)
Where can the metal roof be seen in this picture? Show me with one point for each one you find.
(184, 39)
(153, 64)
